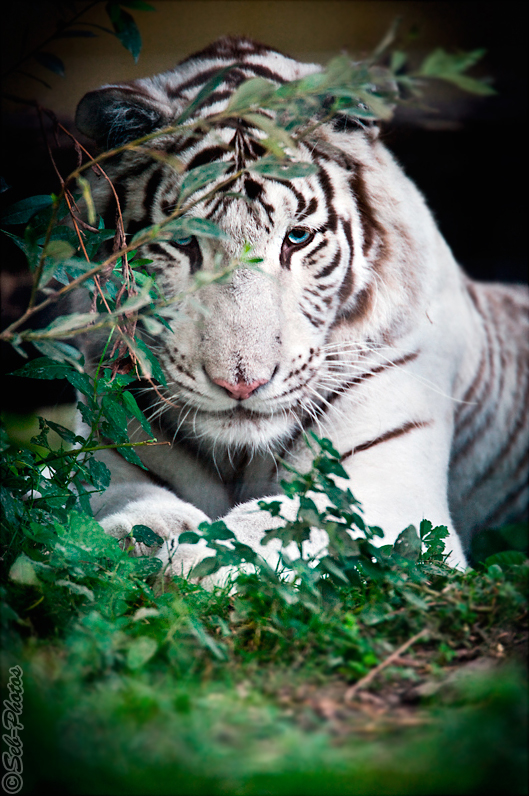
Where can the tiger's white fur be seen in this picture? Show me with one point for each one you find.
(369, 333)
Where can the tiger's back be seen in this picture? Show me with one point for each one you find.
(488, 478)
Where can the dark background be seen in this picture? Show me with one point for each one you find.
(467, 156)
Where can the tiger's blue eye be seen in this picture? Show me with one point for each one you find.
(299, 235)
(184, 241)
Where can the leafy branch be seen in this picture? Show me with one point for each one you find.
(280, 119)
(123, 28)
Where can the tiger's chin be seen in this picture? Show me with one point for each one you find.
(241, 427)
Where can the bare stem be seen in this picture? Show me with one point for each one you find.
(353, 690)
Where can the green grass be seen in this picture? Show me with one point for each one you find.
(138, 684)
(144, 732)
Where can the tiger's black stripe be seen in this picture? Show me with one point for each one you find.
(388, 435)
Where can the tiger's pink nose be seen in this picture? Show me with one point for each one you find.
(241, 390)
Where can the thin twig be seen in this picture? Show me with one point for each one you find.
(353, 690)
(115, 446)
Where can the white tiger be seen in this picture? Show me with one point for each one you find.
(359, 324)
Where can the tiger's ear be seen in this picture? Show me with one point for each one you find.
(114, 115)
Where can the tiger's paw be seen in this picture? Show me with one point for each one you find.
(165, 518)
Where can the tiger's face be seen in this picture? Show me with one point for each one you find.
(250, 359)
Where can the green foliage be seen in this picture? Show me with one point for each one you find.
(451, 68)
(67, 15)
(139, 660)
(363, 91)
(134, 660)
(219, 740)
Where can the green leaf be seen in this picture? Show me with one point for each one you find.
(86, 191)
(140, 651)
(204, 638)
(62, 233)
(125, 28)
(77, 588)
(328, 564)
(29, 247)
(131, 406)
(216, 530)
(92, 539)
(42, 368)
(148, 361)
(81, 381)
(51, 62)
(516, 536)
(398, 59)
(251, 93)
(68, 323)
(414, 599)
(22, 211)
(202, 175)
(498, 540)
(114, 413)
(507, 558)
(23, 572)
(72, 267)
(146, 536)
(380, 109)
(10, 505)
(274, 507)
(99, 473)
(204, 92)
(282, 170)
(447, 66)
(471, 85)
(154, 325)
(440, 62)
(325, 444)
(293, 488)
(129, 454)
(425, 529)
(328, 466)
(47, 368)
(44, 534)
(273, 131)
(208, 566)
(138, 300)
(59, 351)
(64, 433)
(408, 544)
(189, 537)
(202, 227)
(308, 511)
(433, 538)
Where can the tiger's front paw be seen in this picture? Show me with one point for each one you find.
(167, 517)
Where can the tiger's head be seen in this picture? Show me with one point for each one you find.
(343, 251)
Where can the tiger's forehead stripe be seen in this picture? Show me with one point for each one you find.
(240, 72)
(346, 288)
(329, 195)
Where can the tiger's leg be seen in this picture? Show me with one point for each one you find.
(404, 480)
(399, 481)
